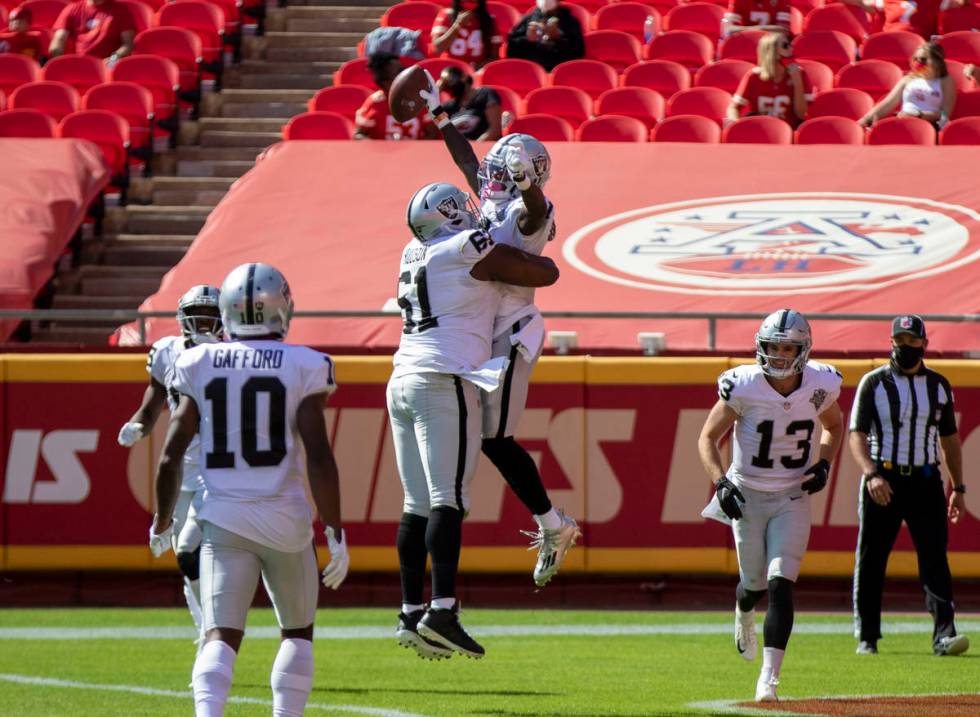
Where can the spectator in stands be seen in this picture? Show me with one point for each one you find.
(476, 113)
(771, 15)
(19, 40)
(374, 119)
(468, 32)
(777, 87)
(928, 91)
(920, 17)
(548, 35)
(101, 28)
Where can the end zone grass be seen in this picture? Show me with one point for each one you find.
(93, 662)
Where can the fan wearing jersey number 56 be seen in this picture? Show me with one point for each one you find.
(254, 399)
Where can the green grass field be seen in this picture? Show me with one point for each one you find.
(95, 662)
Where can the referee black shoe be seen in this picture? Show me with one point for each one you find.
(408, 636)
(443, 628)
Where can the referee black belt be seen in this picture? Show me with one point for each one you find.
(909, 470)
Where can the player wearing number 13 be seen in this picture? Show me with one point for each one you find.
(254, 398)
(774, 407)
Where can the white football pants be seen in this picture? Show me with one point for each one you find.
(771, 535)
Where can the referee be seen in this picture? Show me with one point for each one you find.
(902, 414)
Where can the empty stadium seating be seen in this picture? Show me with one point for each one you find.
(44, 12)
(591, 76)
(663, 76)
(895, 47)
(615, 48)
(111, 133)
(17, 70)
(133, 103)
(510, 101)
(318, 125)
(690, 49)
(829, 130)
(545, 127)
(820, 76)
(957, 19)
(840, 102)
(162, 78)
(851, 20)
(612, 128)
(701, 17)
(760, 129)
(26, 123)
(79, 71)
(629, 17)
(686, 128)
(832, 48)
(180, 46)
(414, 16)
(723, 74)
(965, 130)
(967, 104)
(902, 130)
(963, 45)
(522, 76)
(640, 103)
(569, 103)
(207, 22)
(342, 99)
(741, 46)
(876, 77)
(707, 102)
(355, 72)
(56, 99)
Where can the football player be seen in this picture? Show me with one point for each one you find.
(448, 293)
(774, 406)
(255, 399)
(200, 323)
(509, 182)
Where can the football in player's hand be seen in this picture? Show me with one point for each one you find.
(403, 97)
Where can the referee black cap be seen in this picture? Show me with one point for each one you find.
(909, 324)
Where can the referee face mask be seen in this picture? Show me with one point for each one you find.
(906, 356)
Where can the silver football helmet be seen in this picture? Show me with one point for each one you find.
(495, 182)
(440, 208)
(199, 314)
(783, 327)
(256, 301)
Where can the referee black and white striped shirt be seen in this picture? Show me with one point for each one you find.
(904, 415)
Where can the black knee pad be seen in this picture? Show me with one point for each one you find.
(780, 591)
(499, 449)
(190, 564)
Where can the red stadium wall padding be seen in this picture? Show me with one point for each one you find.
(45, 187)
(646, 227)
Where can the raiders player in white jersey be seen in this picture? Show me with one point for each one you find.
(200, 323)
(255, 399)
(510, 182)
(448, 292)
(774, 406)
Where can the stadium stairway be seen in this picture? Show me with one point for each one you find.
(302, 46)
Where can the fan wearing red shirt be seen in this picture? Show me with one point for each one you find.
(777, 87)
(101, 28)
(773, 15)
(373, 118)
(19, 41)
(466, 31)
(918, 16)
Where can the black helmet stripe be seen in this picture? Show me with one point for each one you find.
(249, 289)
(783, 317)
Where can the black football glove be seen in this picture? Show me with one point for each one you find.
(728, 497)
(820, 472)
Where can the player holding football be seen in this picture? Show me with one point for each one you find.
(509, 182)
(200, 323)
(774, 406)
(254, 399)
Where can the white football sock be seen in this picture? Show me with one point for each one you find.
(443, 603)
(746, 618)
(550, 520)
(292, 677)
(772, 661)
(212, 678)
(409, 609)
(192, 593)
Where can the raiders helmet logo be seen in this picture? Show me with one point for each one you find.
(818, 397)
(448, 208)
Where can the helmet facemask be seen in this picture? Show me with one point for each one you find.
(783, 327)
(201, 324)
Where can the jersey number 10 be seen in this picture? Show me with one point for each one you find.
(217, 393)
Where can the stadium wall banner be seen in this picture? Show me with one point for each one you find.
(615, 439)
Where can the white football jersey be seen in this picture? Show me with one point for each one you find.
(447, 314)
(160, 365)
(774, 435)
(248, 393)
(516, 301)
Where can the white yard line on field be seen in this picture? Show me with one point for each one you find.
(153, 692)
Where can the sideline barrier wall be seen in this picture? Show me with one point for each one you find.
(615, 439)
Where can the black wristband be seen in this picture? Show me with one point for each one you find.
(959, 488)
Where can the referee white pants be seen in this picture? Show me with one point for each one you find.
(771, 535)
(503, 408)
(435, 424)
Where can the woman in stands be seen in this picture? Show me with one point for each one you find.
(928, 91)
(468, 32)
(777, 87)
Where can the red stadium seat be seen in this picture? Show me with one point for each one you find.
(957, 19)
(591, 6)
(796, 19)
(742, 46)
(154, 5)
(955, 69)
(435, 65)
(44, 12)
(690, 49)
(135, 105)
(902, 130)
(580, 13)
(629, 17)
(342, 99)
(760, 129)
(506, 16)
(832, 48)
(414, 16)
(231, 9)
(840, 102)
(522, 76)
(79, 71)
(56, 99)
(613, 128)
(592, 76)
(876, 77)
(830, 130)
(569, 103)
(724, 74)
(546, 128)
(179, 45)
(318, 125)
(963, 46)
(355, 72)
(894, 47)
(26, 123)
(4, 16)
(110, 132)
(806, 6)
(17, 70)
(510, 101)
(965, 130)
(161, 77)
(663, 6)
(707, 102)
(640, 103)
(617, 49)
(701, 17)
(3, 100)
(820, 76)
(663, 76)
(967, 105)
(141, 12)
(853, 21)
(686, 128)
(206, 21)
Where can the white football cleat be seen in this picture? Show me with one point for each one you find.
(552, 544)
(765, 689)
(746, 641)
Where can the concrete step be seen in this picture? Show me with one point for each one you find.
(309, 54)
(296, 12)
(283, 110)
(123, 283)
(312, 39)
(267, 67)
(241, 124)
(218, 154)
(67, 334)
(177, 219)
(230, 97)
(79, 301)
(290, 81)
(162, 256)
(202, 191)
(213, 168)
(239, 139)
(382, 4)
(360, 25)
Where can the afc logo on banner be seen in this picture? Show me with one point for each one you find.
(60, 451)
